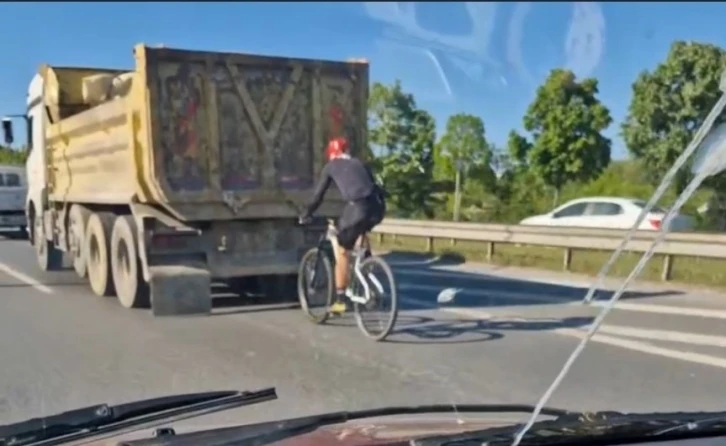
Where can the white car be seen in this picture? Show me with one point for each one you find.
(607, 212)
(13, 189)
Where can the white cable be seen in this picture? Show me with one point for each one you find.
(667, 180)
(610, 305)
(682, 198)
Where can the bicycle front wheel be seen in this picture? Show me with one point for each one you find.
(315, 285)
(383, 299)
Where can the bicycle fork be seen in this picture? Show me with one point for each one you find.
(362, 300)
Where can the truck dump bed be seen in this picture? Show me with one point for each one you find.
(225, 136)
(247, 132)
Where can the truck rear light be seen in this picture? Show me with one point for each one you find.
(655, 222)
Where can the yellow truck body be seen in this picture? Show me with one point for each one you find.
(194, 165)
(206, 136)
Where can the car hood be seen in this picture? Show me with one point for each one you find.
(353, 433)
(371, 433)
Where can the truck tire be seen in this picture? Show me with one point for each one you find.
(131, 289)
(77, 221)
(97, 253)
(49, 258)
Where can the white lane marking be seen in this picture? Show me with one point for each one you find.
(664, 335)
(645, 347)
(667, 309)
(10, 271)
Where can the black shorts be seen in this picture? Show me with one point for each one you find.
(358, 218)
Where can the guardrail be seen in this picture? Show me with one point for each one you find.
(675, 244)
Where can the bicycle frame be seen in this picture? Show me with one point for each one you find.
(362, 300)
(325, 245)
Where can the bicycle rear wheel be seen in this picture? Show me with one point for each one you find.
(379, 278)
(315, 277)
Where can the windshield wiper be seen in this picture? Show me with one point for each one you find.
(576, 427)
(271, 432)
(104, 418)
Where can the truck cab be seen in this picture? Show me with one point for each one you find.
(33, 175)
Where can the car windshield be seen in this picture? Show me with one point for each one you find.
(354, 203)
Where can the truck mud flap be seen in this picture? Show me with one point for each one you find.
(179, 290)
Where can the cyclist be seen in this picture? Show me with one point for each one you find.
(364, 210)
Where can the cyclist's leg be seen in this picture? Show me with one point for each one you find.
(347, 236)
(346, 242)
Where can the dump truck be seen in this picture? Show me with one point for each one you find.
(191, 168)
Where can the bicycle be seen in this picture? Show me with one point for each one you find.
(361, 277)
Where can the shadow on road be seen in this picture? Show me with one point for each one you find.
(413, 329)
(447, 332)
(422, 282)
(226, 302)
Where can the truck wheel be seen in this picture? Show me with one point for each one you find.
(131, 289)
(96, 247)
(77, 220)
(49, 258)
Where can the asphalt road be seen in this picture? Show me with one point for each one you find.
(502, 339)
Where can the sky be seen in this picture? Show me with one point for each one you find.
(481, 58)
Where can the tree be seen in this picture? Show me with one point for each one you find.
(10, 156)
(402, 138)
(462, 148)
(566, 120)
(669, 104)
(517, 150)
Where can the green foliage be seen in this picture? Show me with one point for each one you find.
(669, 104)
(563, 155)
(566, 120)
(464, 141)
(403, 137)
(10, 156)
(611, 183)
(518, 148)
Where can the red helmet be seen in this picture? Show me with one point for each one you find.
(337, 147)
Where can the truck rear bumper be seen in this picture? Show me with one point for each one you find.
(225, 265)
(235, 249)
(180, 290)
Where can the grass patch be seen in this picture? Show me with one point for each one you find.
(688, 270)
